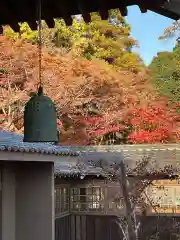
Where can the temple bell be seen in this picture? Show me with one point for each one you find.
(40, 119)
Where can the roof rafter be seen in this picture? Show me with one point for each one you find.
(12, 12)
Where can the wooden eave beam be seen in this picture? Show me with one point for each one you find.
(47, 13)
(85, 14)
(12, 12)
(103, 9)
(33, 25)
(7, 13)
(62, 11)
(153, 176)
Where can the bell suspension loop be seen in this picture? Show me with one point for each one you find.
(40, 46)
(40, 118)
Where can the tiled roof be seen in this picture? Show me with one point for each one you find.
(161, 157)
(127, 148)
(14, 143)
(80, 170)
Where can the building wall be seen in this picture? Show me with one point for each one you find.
(1, 214)
(90, 222)
(62, 228)
(35, 201)
(27, 201)
(82, 227)
(105, 197)
(166, 196)
(86, 227)
(8, 202)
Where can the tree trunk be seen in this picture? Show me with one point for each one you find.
(127, 203)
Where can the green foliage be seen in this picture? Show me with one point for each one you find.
(29, 35)
(3, 71)
(163, 66)
(166, 73)
(25, 33)
(108, 40)
(10, 33)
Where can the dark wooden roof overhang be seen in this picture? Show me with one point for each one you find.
(12, 12)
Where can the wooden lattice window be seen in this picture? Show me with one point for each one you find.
(162, 197)
(87, 199)
(95, 197)
(177, 197)
(61, 199)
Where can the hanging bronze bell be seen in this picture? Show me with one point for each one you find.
(40, 119)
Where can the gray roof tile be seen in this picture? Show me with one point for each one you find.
(161, 154)
(79, 170)
(160, 157)
(14, 142)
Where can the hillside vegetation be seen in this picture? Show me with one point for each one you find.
(165, 71)
(102, 91)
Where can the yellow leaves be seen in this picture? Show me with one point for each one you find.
(25, 31)
(129, 61)
(126, 30)
(102, 39)
(70, 81)
(8, 32)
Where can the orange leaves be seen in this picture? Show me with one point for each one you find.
(123, 98)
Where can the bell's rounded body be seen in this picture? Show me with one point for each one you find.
(40, 120)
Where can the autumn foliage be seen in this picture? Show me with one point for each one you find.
(155, 124)
(96, 103)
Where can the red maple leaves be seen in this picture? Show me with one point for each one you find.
(101, 125)
(155, 124)
(152, 124)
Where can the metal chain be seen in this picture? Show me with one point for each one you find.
(40, 42)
